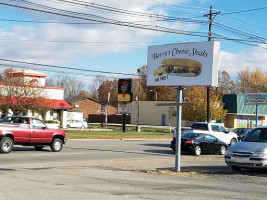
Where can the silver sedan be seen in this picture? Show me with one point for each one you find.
(251, 152)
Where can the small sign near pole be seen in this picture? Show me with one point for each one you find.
(124, 99)
(255, 99)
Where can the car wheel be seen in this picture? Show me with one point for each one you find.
(56, 145)
(236, 169)
(68, 126)
(197, 151)
(6, 145)
(222, 150)
(38, 148)
(233, 140)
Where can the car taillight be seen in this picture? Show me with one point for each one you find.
(189, 141)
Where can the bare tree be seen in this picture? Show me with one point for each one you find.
(226, 84)
(94, 87)
(72, 87)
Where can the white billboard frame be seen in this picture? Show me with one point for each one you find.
(183, 64)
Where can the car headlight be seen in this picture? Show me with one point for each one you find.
(229, 152)
(260, 154)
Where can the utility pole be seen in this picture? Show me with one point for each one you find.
(211, 16)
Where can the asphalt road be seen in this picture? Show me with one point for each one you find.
(122, 169)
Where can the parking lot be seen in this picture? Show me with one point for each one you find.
(123, 169)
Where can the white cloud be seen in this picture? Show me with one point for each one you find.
(253, 58)
(38, 42)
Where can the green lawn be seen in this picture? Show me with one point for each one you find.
(85, 134)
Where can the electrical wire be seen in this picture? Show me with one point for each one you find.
(58, 72)
(118, 11)
(119, 23)
(243, 11)
(133, 25)
(66, 68)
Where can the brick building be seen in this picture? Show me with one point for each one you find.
(91, 106)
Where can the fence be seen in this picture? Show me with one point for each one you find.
(116, 119)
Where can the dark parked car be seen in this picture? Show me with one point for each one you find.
(242, 132)
(196, 143)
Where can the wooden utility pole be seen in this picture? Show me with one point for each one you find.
(211, 16)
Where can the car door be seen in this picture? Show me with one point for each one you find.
(40, 133)
(217, 132)
(225, 134)
(78, 123)
(210, 143)
(21, 130)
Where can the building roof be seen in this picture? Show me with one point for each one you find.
(59, 103)
(234, 103)
(27, 73)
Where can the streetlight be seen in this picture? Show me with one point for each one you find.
(155, 93)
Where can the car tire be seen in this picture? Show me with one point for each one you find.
(197, 151)
(236, 169)
(38, 148)
(6, 145)
(222, 150)
(233, 141)
(56, 145)
(68, 126)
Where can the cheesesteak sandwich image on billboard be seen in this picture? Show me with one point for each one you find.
(181, 67)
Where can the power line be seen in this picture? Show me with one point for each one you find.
(48, 22)
(132, 25)
(115, 10)
(113, 22)
(57, 72)
(68, 68)
(242, 11)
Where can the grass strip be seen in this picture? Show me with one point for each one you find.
(85, 134)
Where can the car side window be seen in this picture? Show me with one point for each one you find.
(38, 124)
(210, 138)
(222, 129)
(215, 128)
(21, 121)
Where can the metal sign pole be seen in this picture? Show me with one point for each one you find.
(256, 115)
(178, 130)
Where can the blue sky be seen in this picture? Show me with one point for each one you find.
(105, 47)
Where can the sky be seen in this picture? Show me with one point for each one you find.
(83, 38)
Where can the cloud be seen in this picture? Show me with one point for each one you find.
(234, 62)
(63, 43)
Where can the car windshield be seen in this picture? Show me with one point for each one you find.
(191, 135)
(257, 135)
(241, 130)
(200, 126)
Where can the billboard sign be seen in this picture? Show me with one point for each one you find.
(125, 90)
(183, 64)
(255, 99)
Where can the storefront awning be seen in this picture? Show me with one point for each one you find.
(59, 103)
(53, 103)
